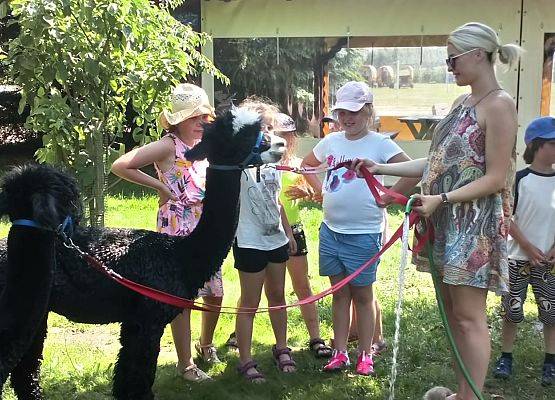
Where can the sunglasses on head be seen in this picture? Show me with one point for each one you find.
(451, 61)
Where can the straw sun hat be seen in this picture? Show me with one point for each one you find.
(187, 101)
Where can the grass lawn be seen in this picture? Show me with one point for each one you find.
(416, 100)
(79, 358)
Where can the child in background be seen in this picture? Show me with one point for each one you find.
(353, 223)
(295, 187)
(263, 241)
(532, 247)
(180, 185)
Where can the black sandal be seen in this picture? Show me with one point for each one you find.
(319, 348)
(281, 364)
(257, 377)
(232, 342)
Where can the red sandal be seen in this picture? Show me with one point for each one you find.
(281, 364)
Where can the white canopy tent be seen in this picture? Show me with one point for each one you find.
(524, 22)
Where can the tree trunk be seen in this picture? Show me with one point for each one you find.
(96, 206)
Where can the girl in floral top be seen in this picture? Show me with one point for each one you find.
(181, 186)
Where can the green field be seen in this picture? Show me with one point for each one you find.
(417, 100)
(79, 358)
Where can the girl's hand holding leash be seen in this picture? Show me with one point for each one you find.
(371, 166)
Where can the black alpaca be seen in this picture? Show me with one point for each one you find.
(178, 265)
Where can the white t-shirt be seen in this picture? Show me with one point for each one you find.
(348, 205)
(534, 211)
(260, 224)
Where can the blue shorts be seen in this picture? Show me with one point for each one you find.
(342, 253)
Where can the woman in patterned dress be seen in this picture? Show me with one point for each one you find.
(181, 186)
(466, 192)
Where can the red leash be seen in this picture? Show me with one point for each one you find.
(375, 188)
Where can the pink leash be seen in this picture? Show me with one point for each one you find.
(375, 188)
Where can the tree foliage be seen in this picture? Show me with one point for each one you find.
(286, 70)
(83, 63)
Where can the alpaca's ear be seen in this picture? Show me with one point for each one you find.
(199, 152)
(44, 210)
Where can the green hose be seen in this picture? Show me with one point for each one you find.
(443, 315)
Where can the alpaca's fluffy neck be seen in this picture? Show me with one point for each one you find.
(212, 238)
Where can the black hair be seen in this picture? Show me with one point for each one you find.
(532, 148)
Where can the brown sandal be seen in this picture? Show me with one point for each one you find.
(319, 348)
(257, 377)
(281, 364)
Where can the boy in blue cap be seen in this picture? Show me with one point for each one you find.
(532, 247)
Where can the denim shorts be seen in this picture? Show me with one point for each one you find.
(342, 253)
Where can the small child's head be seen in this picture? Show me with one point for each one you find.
(354, 106)
(190, 108)
(266, 108)
(539, 132)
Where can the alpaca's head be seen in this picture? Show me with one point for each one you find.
(40, 193)
(231, 137)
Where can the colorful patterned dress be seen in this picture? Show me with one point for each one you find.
(186, 180)
(470, 243)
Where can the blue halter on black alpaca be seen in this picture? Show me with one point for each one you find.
(65, 229)
(254, 159)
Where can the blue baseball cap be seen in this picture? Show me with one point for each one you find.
(540, 128)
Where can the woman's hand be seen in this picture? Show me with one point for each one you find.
(371, 166)
(535, 255)
(165, 195)
(426, 204)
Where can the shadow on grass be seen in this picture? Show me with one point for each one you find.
(424, 361)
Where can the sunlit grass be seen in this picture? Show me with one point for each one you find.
(79, 358)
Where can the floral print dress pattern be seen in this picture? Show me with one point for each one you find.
(186, 180)
(470, 238)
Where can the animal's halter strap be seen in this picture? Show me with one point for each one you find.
(65, 229)
(252, 160)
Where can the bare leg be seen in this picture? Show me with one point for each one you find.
(340, 313)
(209, 320)
(363, 299)
(549, 337)
(378, 330)
(274, 287)
(181, 332)
(298, 271)
(448, 303)
(251, 289)
(472, 335)
(353, 330)
(508, 336)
